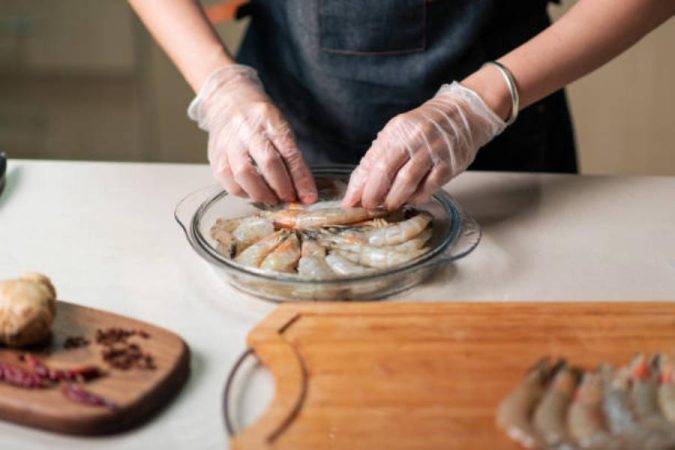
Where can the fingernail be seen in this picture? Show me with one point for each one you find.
(309, 198)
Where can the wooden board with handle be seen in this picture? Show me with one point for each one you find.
(137, 393)
(426, 376)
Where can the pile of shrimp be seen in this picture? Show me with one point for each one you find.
(612, 408)
(324, 240)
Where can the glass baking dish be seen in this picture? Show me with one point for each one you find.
(455, 235)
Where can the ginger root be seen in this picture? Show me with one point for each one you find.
(27, 310)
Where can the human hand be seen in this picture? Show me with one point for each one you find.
(419, 151)
(251, 148)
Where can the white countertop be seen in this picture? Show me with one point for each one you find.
(106, 236)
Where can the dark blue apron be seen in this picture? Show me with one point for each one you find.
(340, 69)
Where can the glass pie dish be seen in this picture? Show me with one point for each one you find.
(454, 235)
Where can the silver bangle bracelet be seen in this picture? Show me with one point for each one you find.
(513, 90)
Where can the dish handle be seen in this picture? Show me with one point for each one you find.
(469, 236)
(190, 204)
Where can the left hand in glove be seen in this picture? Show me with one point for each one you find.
(419, 151)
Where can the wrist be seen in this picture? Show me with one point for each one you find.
(215, 60)
(489, 84)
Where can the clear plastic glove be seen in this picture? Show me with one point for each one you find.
(419, 151)
(251, 149)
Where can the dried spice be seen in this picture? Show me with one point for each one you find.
(78, 394)
(117, 351)
(73, 342)
(114, 335)
(20, 377)
(121, 354)
(127, 356)
(84, 373)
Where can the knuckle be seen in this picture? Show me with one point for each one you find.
(241, 170)
(381, 167)
(268, 159)
(261, 108)
(397, 121)
(237, 191)
(409, 177)
(296, 163)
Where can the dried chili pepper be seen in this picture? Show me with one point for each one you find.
(20, 377)
(84, 373)
(78, 394)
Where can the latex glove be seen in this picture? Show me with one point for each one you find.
(419, 151)
(251, 148)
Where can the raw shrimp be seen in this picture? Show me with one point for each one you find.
(377, 257)
(256, 253)
(337, 238)
(323, 205)
(313, 263)
(644, 390)
(347, 230)
(616, 402)
(228, 225)
(513, 414)
(285, 257)
(585, 419)
(342, 266)
(302, 219)
(415, 243)
(621, 419)
(251, 230)
(549, 416)
(225, 242)
(226, 249)
(399, 232)
(666, 393)
(645, 400)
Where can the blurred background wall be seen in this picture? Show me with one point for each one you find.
(81, 79)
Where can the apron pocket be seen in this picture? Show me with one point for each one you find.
(371, 27)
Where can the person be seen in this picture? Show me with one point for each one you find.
(400, 85)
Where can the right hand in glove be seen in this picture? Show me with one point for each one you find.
(251, 149)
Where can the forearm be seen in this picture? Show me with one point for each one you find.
(589, 35)
(182, 30)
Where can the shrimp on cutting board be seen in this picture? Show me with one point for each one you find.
(585, 418)
(621, 417)
(644, 394)
(550, 415)
(513, 414)
(666, 391)
(616, 400)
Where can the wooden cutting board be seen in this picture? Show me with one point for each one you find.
(425, 376)
(137, 393)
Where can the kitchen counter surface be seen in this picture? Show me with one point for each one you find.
(105, 234)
